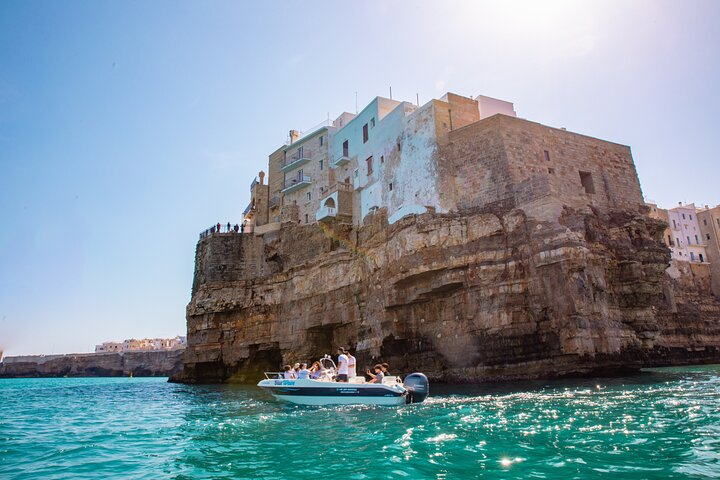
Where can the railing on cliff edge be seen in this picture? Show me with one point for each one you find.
(226, 229)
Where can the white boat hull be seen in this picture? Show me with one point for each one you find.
(314, 392)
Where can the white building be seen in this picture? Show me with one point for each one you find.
(687, 243)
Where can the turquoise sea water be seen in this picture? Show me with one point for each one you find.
(664, 423)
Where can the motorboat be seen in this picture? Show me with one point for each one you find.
(325, 390)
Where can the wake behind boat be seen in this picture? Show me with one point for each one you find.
(325, 390)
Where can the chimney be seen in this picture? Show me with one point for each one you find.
(294, 134)
(262, 177)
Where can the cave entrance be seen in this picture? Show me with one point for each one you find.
(320, 340)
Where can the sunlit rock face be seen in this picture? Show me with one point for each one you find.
(469, 296)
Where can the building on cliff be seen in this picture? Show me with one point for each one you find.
(142, 345)
(449, 154)
(452, 238)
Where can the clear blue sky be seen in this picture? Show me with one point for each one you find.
(128, 127)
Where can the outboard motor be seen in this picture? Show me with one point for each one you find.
(417, 386)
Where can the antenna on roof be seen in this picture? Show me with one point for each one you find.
(390, 92)
(417, 99)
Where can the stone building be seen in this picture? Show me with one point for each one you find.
(683, 234)
(709, 223)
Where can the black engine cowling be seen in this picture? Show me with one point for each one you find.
(417, 386)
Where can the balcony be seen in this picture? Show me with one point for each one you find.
(294, 162)
(337, 187)
(294, 184)
(274, 201)
(325, 213)
(342, 161)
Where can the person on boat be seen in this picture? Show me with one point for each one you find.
(378, 377)
(289, 374)
(342, 375)
(352, 366)
(385, 367)
(316, 371)
(303, 373)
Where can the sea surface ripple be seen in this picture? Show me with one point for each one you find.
(663, 423)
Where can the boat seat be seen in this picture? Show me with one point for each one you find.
(357, 379)
(390, 380)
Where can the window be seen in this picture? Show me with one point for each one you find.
(372, 122)
(683, 216)
(365, 133)
(356, 173)
(369, 162)
(705, 222)
(346, 148)
(718, 222)
(674, 224)
(300, 175)
(306, 218)
(321, 164)
(692, 256)
(677, 240)
(309, 196)
(391, 186)
(547, 155)
(669, 240)
(701, 257)
(690, 216)
(322, 140)
(587, 182)
(382, 158)
(551, 171)
(696, 240)
(688, 239)
(400, 150)
(300, 153)
(707, 236)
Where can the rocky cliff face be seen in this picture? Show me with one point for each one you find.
(140, 364)
(463, 297)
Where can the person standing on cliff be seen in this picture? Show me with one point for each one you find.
(352, 367)
(342, 366)
(218, 227)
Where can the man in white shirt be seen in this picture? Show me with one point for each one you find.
(342, 365)
(352, 370)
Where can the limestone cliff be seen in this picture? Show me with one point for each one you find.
(464, 297)
(140, 364)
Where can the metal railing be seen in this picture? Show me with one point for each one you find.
(224, 229)
(295, 180)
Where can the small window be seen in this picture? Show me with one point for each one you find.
(382, 158)
(400, 150)
(366, 134)
(690, 216)
(688, 239)
(369, 162)
(718, 222)
(306, 218)
(322, 140)
(701, 257)
(669, 240)
(677, 239)
(551, 171)
(309, 196)
(372, 122)
(692, 256)
(346, 148)
(300, 153)
(322, 162)
(356, 173)
(391, 186)
(705, 222)
(547, 155)
(683, 216)
(707, 236)
(587, 182)
(697, 240)
(674, 223)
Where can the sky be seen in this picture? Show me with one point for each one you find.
(127, 127)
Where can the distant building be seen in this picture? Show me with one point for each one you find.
(683, 235)
(145, 344)
(709, 222)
